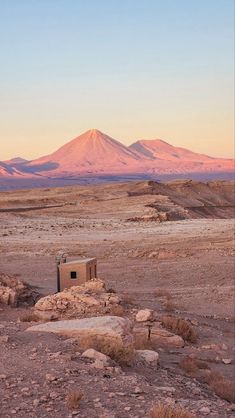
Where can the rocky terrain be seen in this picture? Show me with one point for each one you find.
(156, 327)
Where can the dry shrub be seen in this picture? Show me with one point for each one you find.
(127, 299)
(223, 387)
(111, 290)
(166, 411)
(29, 317)
(74, 399)
(117, 310)
(169, 305)
(116, 350)
(180, 327)
(142, 342)
(213, 376)
(191, 365)
(162, 293)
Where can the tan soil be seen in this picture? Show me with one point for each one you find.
(192, 258)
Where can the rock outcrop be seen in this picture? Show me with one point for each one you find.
(161, 337)
(145, 315)
(78, 301)
(15, 292)
(149, 357)
(97, 356)
(158, 217)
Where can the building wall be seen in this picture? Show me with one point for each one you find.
(84, 272)
(91, 268)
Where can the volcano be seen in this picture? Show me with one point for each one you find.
(91, 152)
(96, 155)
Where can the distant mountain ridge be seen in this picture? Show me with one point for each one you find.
(16, 160)
(95, 153)
(159, 149)
(6, 170)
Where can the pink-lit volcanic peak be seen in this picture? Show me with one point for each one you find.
(94, 153)
(91, 152)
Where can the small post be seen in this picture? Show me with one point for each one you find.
(149, 325)
(60, 258)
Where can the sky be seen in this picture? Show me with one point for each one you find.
(134, 69)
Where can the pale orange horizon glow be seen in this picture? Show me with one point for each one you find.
(131, 70)
(35, 141)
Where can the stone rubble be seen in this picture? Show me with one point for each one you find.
(78, 301)
(15, 292)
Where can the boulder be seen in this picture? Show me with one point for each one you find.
(101, 364)
(8, 296)
(149, 357)
(4, 338)
(227, 360)
(15, 292)
(89, 298)
(96, 355)
(160, 337)
(111, 327)
(145, 315)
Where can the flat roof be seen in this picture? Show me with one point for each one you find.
(80, 261)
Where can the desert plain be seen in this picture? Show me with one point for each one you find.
(165, 247)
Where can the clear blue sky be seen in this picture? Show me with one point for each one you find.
(133, 69)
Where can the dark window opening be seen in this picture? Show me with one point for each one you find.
(73, 275)
(95, 271)
(90, 273)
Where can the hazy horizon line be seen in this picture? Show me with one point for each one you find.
(168, 141)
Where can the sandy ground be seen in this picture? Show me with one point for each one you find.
(193, 259)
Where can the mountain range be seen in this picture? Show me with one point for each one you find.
(95, 154)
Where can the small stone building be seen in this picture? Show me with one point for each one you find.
(74, 273)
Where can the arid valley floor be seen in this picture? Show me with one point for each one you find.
(154, 244)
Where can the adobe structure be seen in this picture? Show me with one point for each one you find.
(74, 273)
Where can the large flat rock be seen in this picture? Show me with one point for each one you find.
(106, 326)
(160, 337)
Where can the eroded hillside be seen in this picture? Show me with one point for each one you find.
(146, 199)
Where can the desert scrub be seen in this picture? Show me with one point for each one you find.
(169, 305)
(223, 387)
(127, 299)
(116, 310)
(29, 317)
(180, 327)
(74, 398)
(192, 365)
(116, 350)
(159, 292)
(166, 411)
(168, 302)
(141, 342)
